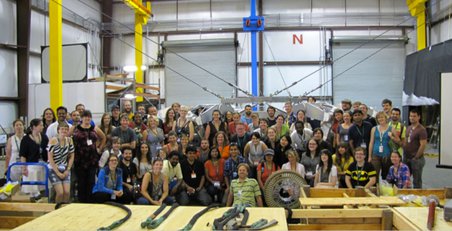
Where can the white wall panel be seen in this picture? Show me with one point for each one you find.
(286, 6)
(34, 70)
(122, 13)
(8, 22)
(441, 32)
(164, 11)
(9, 112)
(282, 46)
(92, 11)
(8, 73)
(122, 53)
(393, 6)
(273, 80)
(230, 9)
(328, 6)
(39, 26)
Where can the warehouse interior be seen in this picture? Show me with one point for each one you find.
(228, 55)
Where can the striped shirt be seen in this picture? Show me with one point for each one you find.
(245, 192)
(60, 153)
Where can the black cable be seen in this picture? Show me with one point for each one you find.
(119, 222)
(192, 222)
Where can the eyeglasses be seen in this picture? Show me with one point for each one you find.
(113, 160)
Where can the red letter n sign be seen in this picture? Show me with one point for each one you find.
(297, 39)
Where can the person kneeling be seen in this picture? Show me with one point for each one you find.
(154, 189)
(109, 184)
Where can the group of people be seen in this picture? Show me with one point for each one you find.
(137, 157)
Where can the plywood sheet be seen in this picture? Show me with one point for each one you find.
(93, 216)
(418, 217)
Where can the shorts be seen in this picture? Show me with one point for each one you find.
(54, 179)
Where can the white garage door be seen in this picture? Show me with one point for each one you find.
(216, 56)
(371, 81)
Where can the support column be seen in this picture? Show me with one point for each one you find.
(138, 54)
(417, 9)
(23, 18)
(56, 53)
(107, 10)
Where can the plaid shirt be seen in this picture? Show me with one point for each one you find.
(402, 179)
(230, 167)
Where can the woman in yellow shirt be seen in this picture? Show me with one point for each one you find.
(342, 159)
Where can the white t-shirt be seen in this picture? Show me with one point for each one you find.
(333, 172)
(299, 170)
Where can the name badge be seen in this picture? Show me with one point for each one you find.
(234, 174)
(363, 145)
(129, 180)
(239, 193)
(113, 196)
(380, 149)
(89, 142)
(346, 137)
(193, 175)
(216, 184)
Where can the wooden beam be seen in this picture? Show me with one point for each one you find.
(335, 227)
(27, 207)
(145, 86)
(337, 213)
(386, 220)
(400, 222)
(11, 222)
(351, 201)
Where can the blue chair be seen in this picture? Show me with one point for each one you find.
(44, 182)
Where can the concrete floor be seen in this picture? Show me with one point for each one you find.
(434, 177)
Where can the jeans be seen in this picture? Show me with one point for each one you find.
(416, 167)
(200, 196)
(143, 201)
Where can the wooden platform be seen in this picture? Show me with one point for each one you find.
(15, 214)
(415, 218)
(93, 216)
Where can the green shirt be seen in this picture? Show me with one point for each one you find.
(398, 129)
(245, 192)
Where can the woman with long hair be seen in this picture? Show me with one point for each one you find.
(293, 164)
(326, 172)
(310, 159)
(143, 161)
(280, 127)
(33, 148)
(61, 159)
(214, 126)
(106, 127)
(154, 188)
(184, 125)
(154, 137)
(272, 140)
(266, 168)
(221, 142)
(214, 168)
(317, 134)
(170, 120)
(48, 118)
(109, 184)
(172, 144)
(342, 160)
(13, 147)
(284, 144)
(342, 129)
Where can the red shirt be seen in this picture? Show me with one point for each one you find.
(265, 171)
(216, 173)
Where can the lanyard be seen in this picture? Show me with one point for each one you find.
(361, 133)
(15, 140)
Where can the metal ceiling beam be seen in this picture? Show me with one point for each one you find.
(107, 9)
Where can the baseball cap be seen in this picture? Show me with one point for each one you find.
(269, 152)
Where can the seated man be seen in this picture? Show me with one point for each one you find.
(360, 173)
(194, 179)
(172, 170)
(244, 190)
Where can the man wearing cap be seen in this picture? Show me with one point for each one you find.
(346, 105)
(359, 132)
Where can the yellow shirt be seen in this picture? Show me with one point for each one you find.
(344, 164)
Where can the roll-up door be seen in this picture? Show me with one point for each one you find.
(215, 55)
(374, 79)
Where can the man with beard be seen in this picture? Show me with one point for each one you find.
(241, 137)
(386, 104)
(61, 115)
(129, 171)
(203, 150)
(172, 170)
(127, 109)
(271, 112)
(246, 119)
(414, 146)
(291, 116)
(346, 105)
(300, 136)
(398, 137)
(359, 132)
(367, 117)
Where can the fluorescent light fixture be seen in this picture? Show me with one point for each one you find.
(133, 68)
(129, 96)
(130, 68)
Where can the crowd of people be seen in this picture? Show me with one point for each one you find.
(137, 157)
